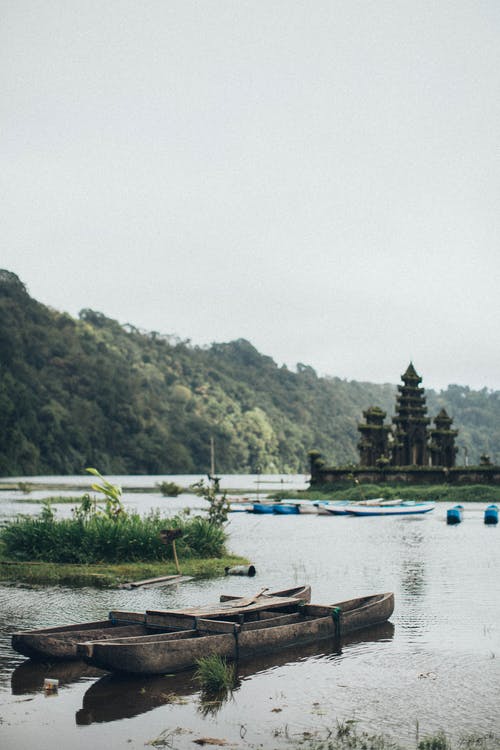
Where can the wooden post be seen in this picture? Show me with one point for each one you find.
(170, 535)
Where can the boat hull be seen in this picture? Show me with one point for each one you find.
(60, 642)
(177, 651)
(286, 510)
(262, 508)
(340, 508)
(392, 510)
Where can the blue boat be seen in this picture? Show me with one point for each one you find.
(454, 515)
(285, 509)
(491, 514)
(400, 508)
(263, 508)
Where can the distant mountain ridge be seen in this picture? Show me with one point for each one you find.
(92, 392)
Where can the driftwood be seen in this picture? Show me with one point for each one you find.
(165, 580)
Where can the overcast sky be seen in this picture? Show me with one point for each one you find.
(321, 178)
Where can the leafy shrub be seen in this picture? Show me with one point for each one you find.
(217, 499)
(169, 489)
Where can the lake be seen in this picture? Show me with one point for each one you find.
(435, 666)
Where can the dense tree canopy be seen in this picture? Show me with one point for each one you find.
(92, 392)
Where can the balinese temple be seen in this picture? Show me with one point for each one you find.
(410, 442)
(374, 437)
(410, 422)
(410, 449)
(442, 441)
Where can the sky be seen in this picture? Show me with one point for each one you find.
(321, 178)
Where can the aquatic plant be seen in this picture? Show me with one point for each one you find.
(438, 741)
(169, 489)
(214, 674)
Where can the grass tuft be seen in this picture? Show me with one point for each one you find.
(214, 674)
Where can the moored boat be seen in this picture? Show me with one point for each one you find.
(238, 636)
(60, 642)
(285, 509)
(338, 508)
(262, 508)
(406, 508)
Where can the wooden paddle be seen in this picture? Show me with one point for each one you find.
(245, 602)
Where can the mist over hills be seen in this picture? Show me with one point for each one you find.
(93, 392)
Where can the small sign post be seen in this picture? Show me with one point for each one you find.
(170, 535)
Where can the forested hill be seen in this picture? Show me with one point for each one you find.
(92, 392)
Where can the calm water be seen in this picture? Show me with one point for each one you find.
(437, 663)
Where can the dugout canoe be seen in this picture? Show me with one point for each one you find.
(60, 642)
(118, 696)
(242, 635)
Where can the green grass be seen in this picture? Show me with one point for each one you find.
(439, 493)
(100, 539)
(214, 674)
(108, 575)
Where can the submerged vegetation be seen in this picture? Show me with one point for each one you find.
(170, 489)
(87, 391)
(345, 736)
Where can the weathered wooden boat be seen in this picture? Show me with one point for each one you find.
(188, 637)
(454, 515)
(120, 696)
(60, 642)
(491, 514)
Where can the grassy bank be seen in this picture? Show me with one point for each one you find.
(107, 575)
(479, 493)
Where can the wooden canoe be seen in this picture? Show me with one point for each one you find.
(117, 696)
(60, 642)
(241, 636)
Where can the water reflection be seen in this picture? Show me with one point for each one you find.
(413, 577)
(211, 702)
(116, 697)
(28, 677)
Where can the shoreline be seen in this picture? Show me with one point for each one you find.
(104, 575)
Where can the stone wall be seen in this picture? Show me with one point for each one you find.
(407, 475)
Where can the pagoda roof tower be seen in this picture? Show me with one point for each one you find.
(411, 422)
